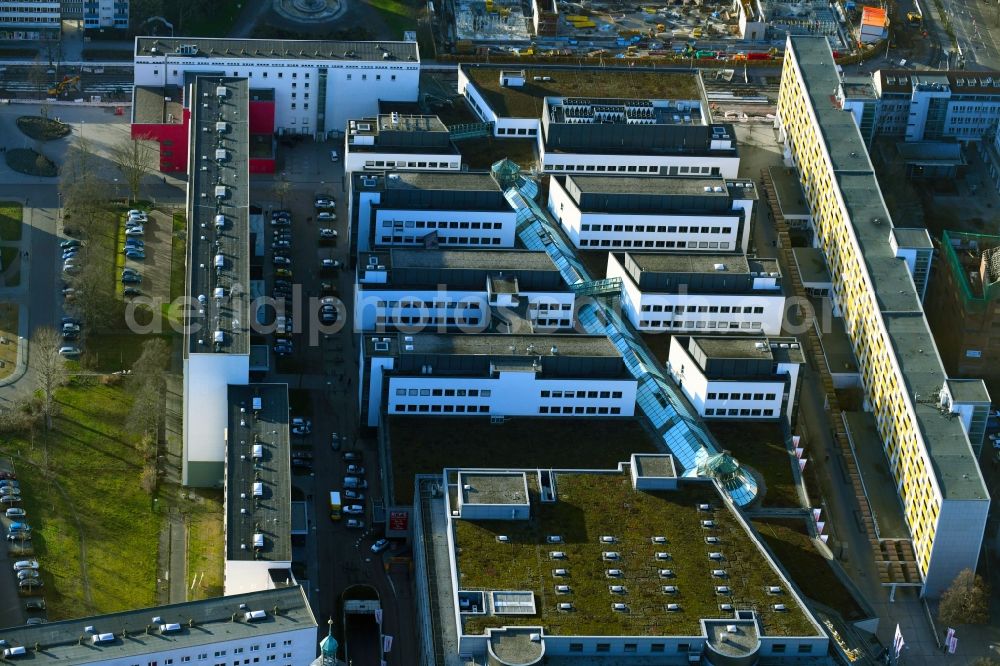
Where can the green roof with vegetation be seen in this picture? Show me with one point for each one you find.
(526, 101)
(592, 505)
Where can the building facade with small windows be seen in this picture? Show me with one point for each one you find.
(428, 209)
(493, 374)
(708, 214)
(32, 20)
(394, 141)
(699, 293)
(275, 627)
(318, 85)
(100, 14)
(468, 290)
(737, 377)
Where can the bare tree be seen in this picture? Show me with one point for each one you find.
(95, 291)
(282, 187)
(38, 76)
(50, 368)
(148, 385)
(967, 601)
(134, 159)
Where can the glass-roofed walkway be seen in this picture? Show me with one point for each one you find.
(659, 400)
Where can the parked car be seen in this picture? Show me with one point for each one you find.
(69, 336)
(380, 545)
(132, 291)
(325, 202)
(15, 512)
(326, 233)
(35, 605)
(355, 470)
(135, 254)
(70, 327)
(335, 441)
(10, 499)
(30, 583)
(17, 526)
(329, 264)
(354, 509)
(354, 524)
(352, 456)
(304, 455)
(283, 272)
(25, 564)
(334, 156)
(135, 231)
(355, 495)
(35, 620)
(281, 245)
(25, 574)
(281, 221)
(355, 482)
(278, 260)
(69, 320)
(69, 351)
(70, 242)
(131, 278)
(18, 536)
(10, 490)
(326, 216)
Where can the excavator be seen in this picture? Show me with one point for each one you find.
(66, 83)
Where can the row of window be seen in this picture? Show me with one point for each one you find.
(742, 396)
(731, 325)
(446, 240)
(606, 242)
(441, 305)
(433, 224)
(721, 309)
(447, 393)
(682, 648)
(443, 409)
(517, 131)
(594, 411)
(582, 394)
(427, 321)
(403, 164)
(605, 168)
(709, 411)
(654, 228)
(203, 656)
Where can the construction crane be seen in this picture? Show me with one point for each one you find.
(62, 86)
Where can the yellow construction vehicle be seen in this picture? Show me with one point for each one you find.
(62, 86)
(914, 17)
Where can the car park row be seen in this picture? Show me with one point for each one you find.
(26, 569)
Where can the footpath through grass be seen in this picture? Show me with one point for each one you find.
(94, 530)
(11, 214)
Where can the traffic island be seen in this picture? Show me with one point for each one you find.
(40, 128)
(31, 162)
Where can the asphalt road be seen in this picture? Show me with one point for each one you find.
(327, 374)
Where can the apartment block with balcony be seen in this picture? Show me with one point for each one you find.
(493, 374)
(430, 209)
(706, 213)
(699, 293)
(929, 451)
(737, 378)
(101, 14)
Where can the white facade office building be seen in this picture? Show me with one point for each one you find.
(707, 214)
(737, 378)
(318, 85)
(217, 339)
(269, 627)
(493, 374)
(588, 582)
(699, 293)
(395, 141)
(428, 209)
(650, 122)
(416, 290)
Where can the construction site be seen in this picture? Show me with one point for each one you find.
(704, 29)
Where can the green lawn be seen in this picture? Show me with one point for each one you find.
(205, 548)
(399, 16)
(8, 255)
(10, 220)
(217, 23)
(427, 446)
(789, 540)
(113, 351)
(760, 445)
(90, 490)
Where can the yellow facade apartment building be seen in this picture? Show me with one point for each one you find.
(874, 266)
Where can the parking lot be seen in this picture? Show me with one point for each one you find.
(19, 575)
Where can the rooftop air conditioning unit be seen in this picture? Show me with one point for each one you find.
(670, 589)
(722, 589)
(719, 573)
(666, 573)
(562, 589)
(565, 606)
(715, 556)
(616, 589)
(619, 608)
(557, 555)
(719, 267)
(662, 555)
(560, 572)
(674, 608)
(659, 539)
(608, 539)
(704, 507)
